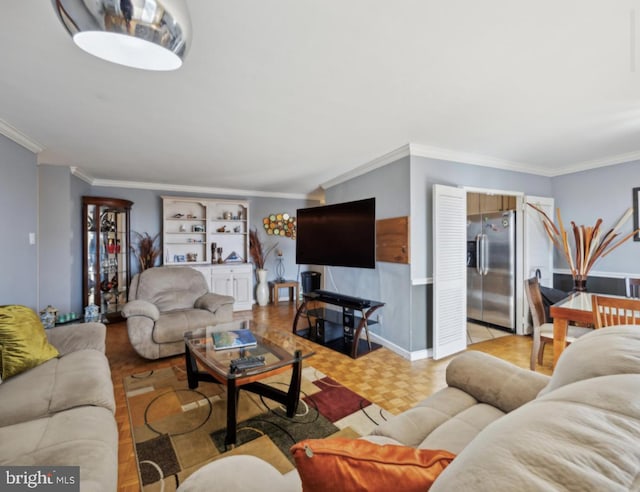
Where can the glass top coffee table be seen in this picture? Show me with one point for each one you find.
(280, 354)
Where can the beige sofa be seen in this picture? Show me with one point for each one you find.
(511, 429)
(61, 412)
(166, 302)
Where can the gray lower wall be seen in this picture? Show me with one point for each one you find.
(601, 285)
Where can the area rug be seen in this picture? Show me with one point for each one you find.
(177, 430)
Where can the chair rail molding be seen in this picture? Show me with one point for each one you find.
(596, 273)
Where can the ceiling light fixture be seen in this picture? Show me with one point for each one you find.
(146, 34)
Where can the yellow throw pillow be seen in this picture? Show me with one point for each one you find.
(23, 342)
(357, 464)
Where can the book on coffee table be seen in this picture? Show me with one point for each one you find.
(233, 339)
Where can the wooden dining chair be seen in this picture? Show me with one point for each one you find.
(542, 328)
(611, 311)
(633, 286)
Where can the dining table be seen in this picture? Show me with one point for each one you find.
(576, 307)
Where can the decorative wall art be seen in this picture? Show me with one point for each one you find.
(280, 225)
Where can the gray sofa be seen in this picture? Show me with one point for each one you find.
(61, 413)
(511, 429)
(166, 302)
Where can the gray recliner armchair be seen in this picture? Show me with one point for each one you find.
(166, 302)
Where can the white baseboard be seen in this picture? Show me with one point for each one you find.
(404, 353)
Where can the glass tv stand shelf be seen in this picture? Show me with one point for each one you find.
(338, 330)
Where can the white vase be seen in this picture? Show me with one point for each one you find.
(262, 289)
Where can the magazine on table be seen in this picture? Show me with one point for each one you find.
(233, 339)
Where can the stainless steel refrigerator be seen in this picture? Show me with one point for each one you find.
(491, 268)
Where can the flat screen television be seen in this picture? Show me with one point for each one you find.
(342, 234)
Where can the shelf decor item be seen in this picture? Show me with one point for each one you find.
(219, 251)
(48, 316)
(91, 313)
(589, 243)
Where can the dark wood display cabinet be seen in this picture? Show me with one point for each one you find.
(106, 263)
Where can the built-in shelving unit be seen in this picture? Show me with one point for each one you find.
(212, 236)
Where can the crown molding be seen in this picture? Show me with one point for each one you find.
(79, 173)
(383, 160)
(112, 183)
(419, 150)
(20, 138)
(431, 152)
(596, 163)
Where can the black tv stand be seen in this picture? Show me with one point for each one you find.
(339, 330)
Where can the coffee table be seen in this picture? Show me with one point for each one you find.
(280, 356)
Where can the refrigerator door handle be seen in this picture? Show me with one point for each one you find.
(485, 254)
(479, 253)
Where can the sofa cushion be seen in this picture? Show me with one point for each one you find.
(240, 473)
(76, 379)
(415, 425)
(612, 350)
(172, 325)
(582, 436)
(79, 336)
(494, 381)
(23, 341)
(355, 464)
(86, 437)
(454, 434)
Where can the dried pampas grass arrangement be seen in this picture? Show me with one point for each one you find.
(146, 250)
(257, 251)
(589, 243)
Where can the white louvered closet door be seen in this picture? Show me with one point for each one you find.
(449, 270)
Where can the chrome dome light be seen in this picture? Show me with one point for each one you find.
(146, 34)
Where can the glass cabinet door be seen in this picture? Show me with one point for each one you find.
(106, 263)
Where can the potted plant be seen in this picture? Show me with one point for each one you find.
(259, 255)
(589, 243)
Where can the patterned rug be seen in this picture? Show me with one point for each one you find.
(177, 430)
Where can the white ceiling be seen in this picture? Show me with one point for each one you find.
(281, 96)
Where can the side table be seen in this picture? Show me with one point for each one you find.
(275, 287)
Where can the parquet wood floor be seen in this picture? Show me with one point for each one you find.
(382, 377)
